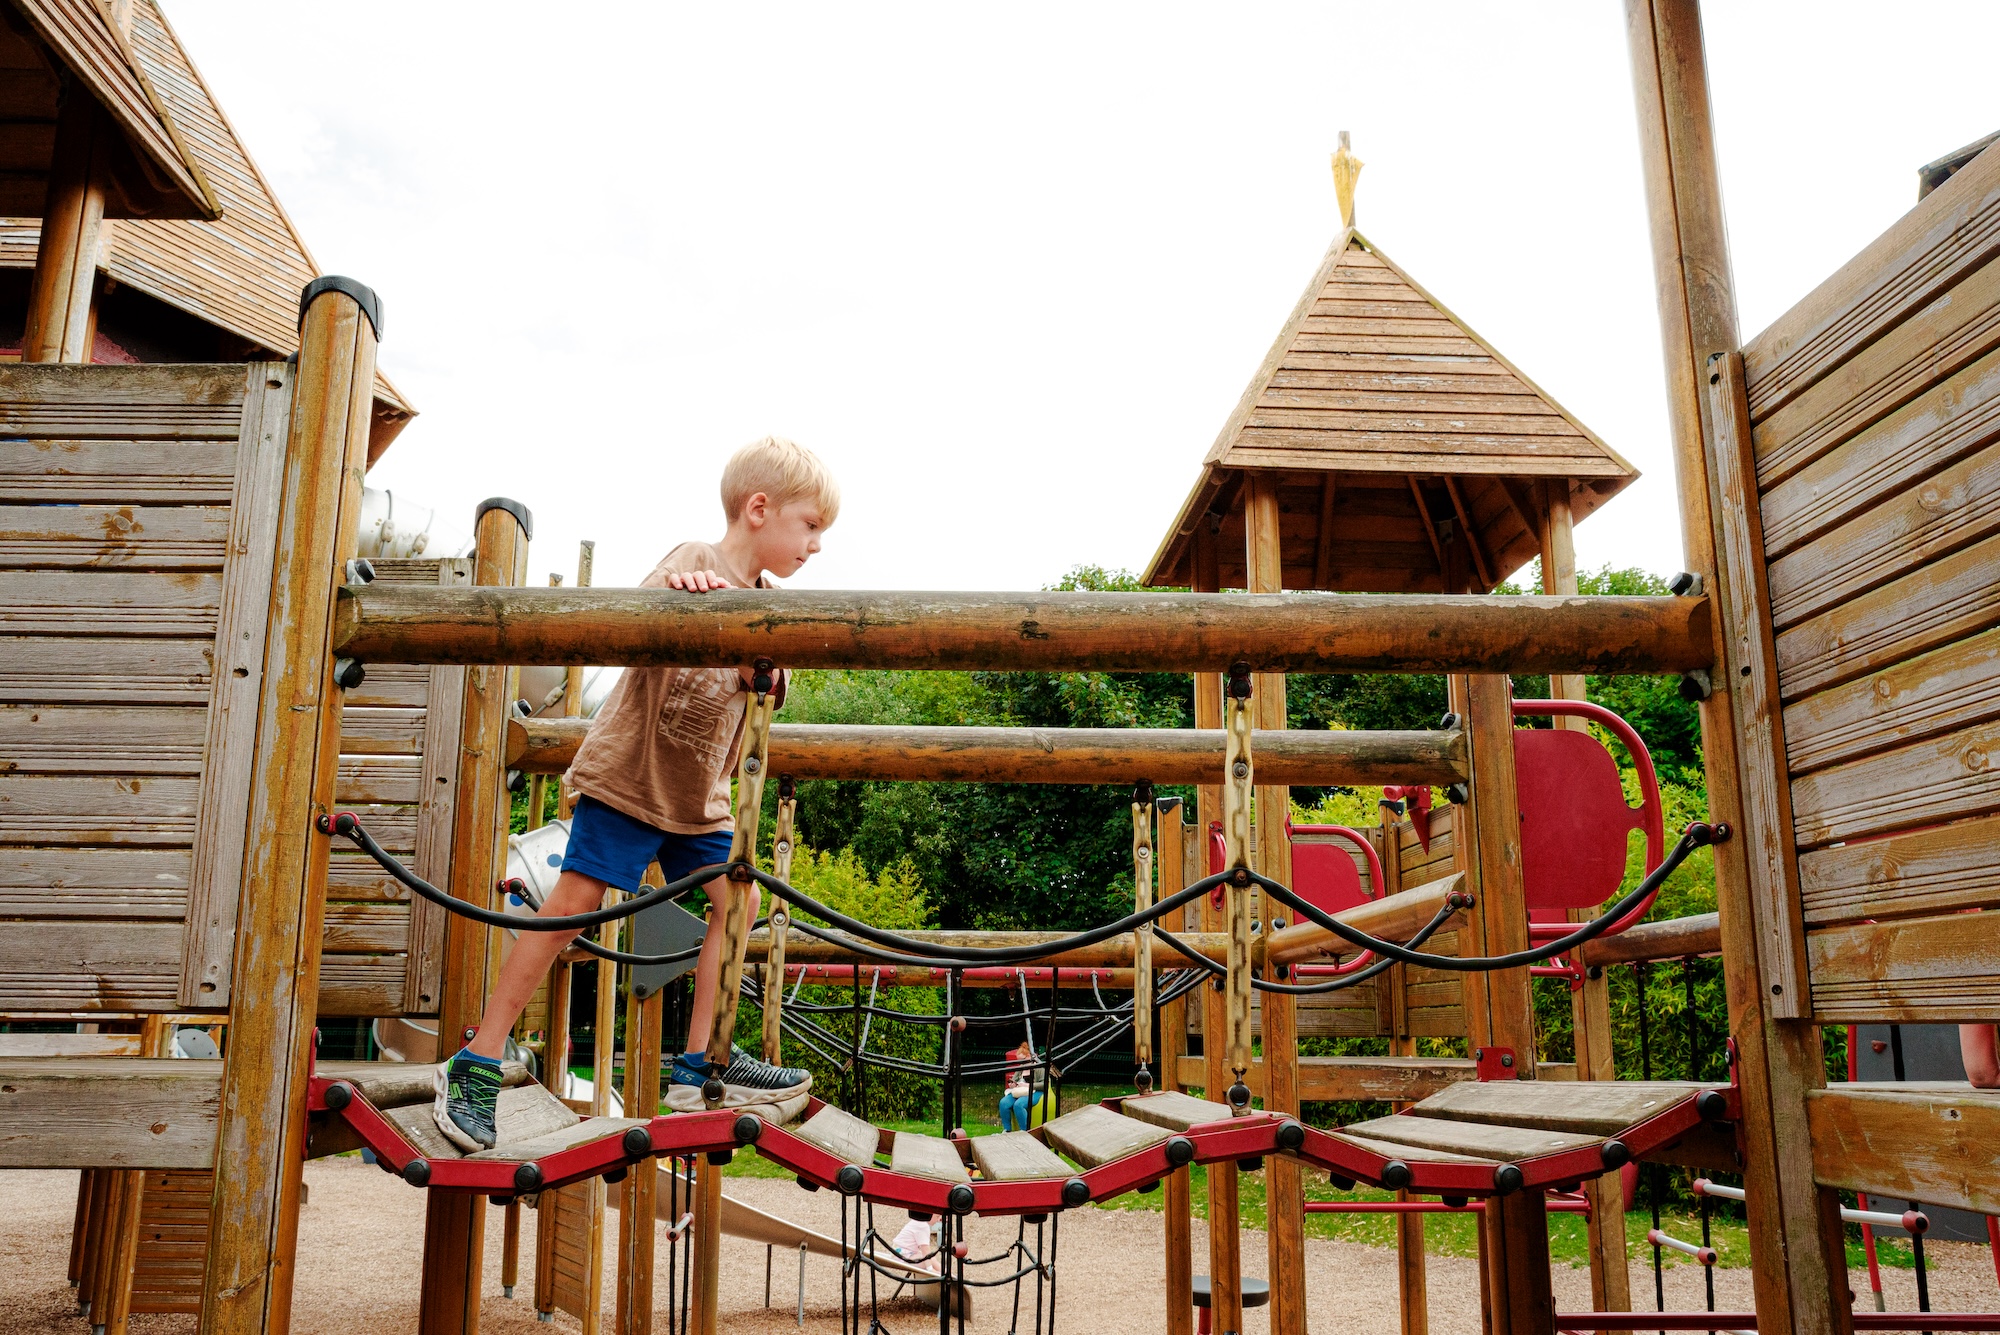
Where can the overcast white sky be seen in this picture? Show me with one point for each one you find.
(1007, 268)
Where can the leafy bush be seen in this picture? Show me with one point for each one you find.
(892, 898)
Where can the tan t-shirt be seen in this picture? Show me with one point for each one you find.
(663, 746)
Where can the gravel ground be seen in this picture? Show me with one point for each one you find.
(360, 1241)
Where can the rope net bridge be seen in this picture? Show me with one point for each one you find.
(1494, 1137)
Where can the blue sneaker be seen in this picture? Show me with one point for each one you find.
(468, 1093)
(746, 1078)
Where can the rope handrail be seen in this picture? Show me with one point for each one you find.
(928, 954)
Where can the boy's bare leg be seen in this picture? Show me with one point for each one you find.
(1982, 1062)
(708, 964)
(528, 962)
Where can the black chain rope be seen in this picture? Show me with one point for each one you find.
(926, 954)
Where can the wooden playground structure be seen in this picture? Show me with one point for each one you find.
(248, 781)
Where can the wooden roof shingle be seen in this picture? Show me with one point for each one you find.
(242, 271)
(1397, 429)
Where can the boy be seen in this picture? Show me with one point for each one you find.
(653, 774)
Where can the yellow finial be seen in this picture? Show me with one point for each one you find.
(1346, 170)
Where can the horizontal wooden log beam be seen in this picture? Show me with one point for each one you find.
(1108, 954)
(1036, 632)
(1053, 755)
(1669, 939)
(108, 1112)
(1933, 1145)
(1395, 918)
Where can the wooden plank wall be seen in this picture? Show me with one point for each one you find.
(137, 506)
(399, 771)
(1875, 412)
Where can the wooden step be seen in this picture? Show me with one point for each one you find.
(1174, 1110)
(1584, 1107)
(582, 1132)
(1409, 1153)
(1015, 1156)
(524, 1113)
(1476, 1139)
(397, 1084)
(108, 1112)
(843, 1135)
(927, 1156)
(1094, 1135)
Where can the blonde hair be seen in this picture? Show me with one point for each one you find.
(783, 471)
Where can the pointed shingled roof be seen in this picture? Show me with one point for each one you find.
(1387, 414)
(243, 271)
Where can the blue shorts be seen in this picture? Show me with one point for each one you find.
(610, 846)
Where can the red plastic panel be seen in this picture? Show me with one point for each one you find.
(1323, 872)
(1574, 819)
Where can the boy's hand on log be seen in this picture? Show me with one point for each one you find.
(697, 581)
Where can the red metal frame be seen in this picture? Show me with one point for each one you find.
(1588, 1321)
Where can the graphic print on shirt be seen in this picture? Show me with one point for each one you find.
(695, 712)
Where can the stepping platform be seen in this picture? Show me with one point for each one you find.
(1015, 1156)
(1173, 1110)
(1094, 1135)
(1484, 1138)
(927, 1156)
(843, 1135)
(387, 1107)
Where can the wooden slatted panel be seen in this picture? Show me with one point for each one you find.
(566, 1213)
(1951, 234)
(1939, 870)
(1914, 970)
(136, 511)
(398, 767)
(173, 1241)
(1877, 438)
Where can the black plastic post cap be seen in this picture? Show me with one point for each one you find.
(638, 1143)
(514, 508)
(721, 1158)
(747, 1128)
(849, 1180)
(1180, 1151)
(1712, 1104)
(1075, 1192)
(1290, 1135)
(1249, 1165)
(614, 1177)
(1615, 1153)
(1396, 1175)
(339, 1095)
(807, 1183)
(711, 1091)
(528, 1177)
(1339, 1183)
(1507, 1178)
(960, 1199)
(417, 1172)
(362, 295)
(1455, 1202)
(1239, 1095)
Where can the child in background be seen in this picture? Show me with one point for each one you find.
(1019, 1094)
(654, 775)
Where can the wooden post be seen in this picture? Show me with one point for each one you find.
(555, 1076)
(742, 849)
(636, 1233)
(586, 560)
(455, 1222)
(1514, 1230)
(705, 1264)
(1590, 1002)
(59, 325)
(1177, 1193)
(260, 1127)
(1225, 1241)
(1412, 1280)
(1797, 1252)
(1284, 1196)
